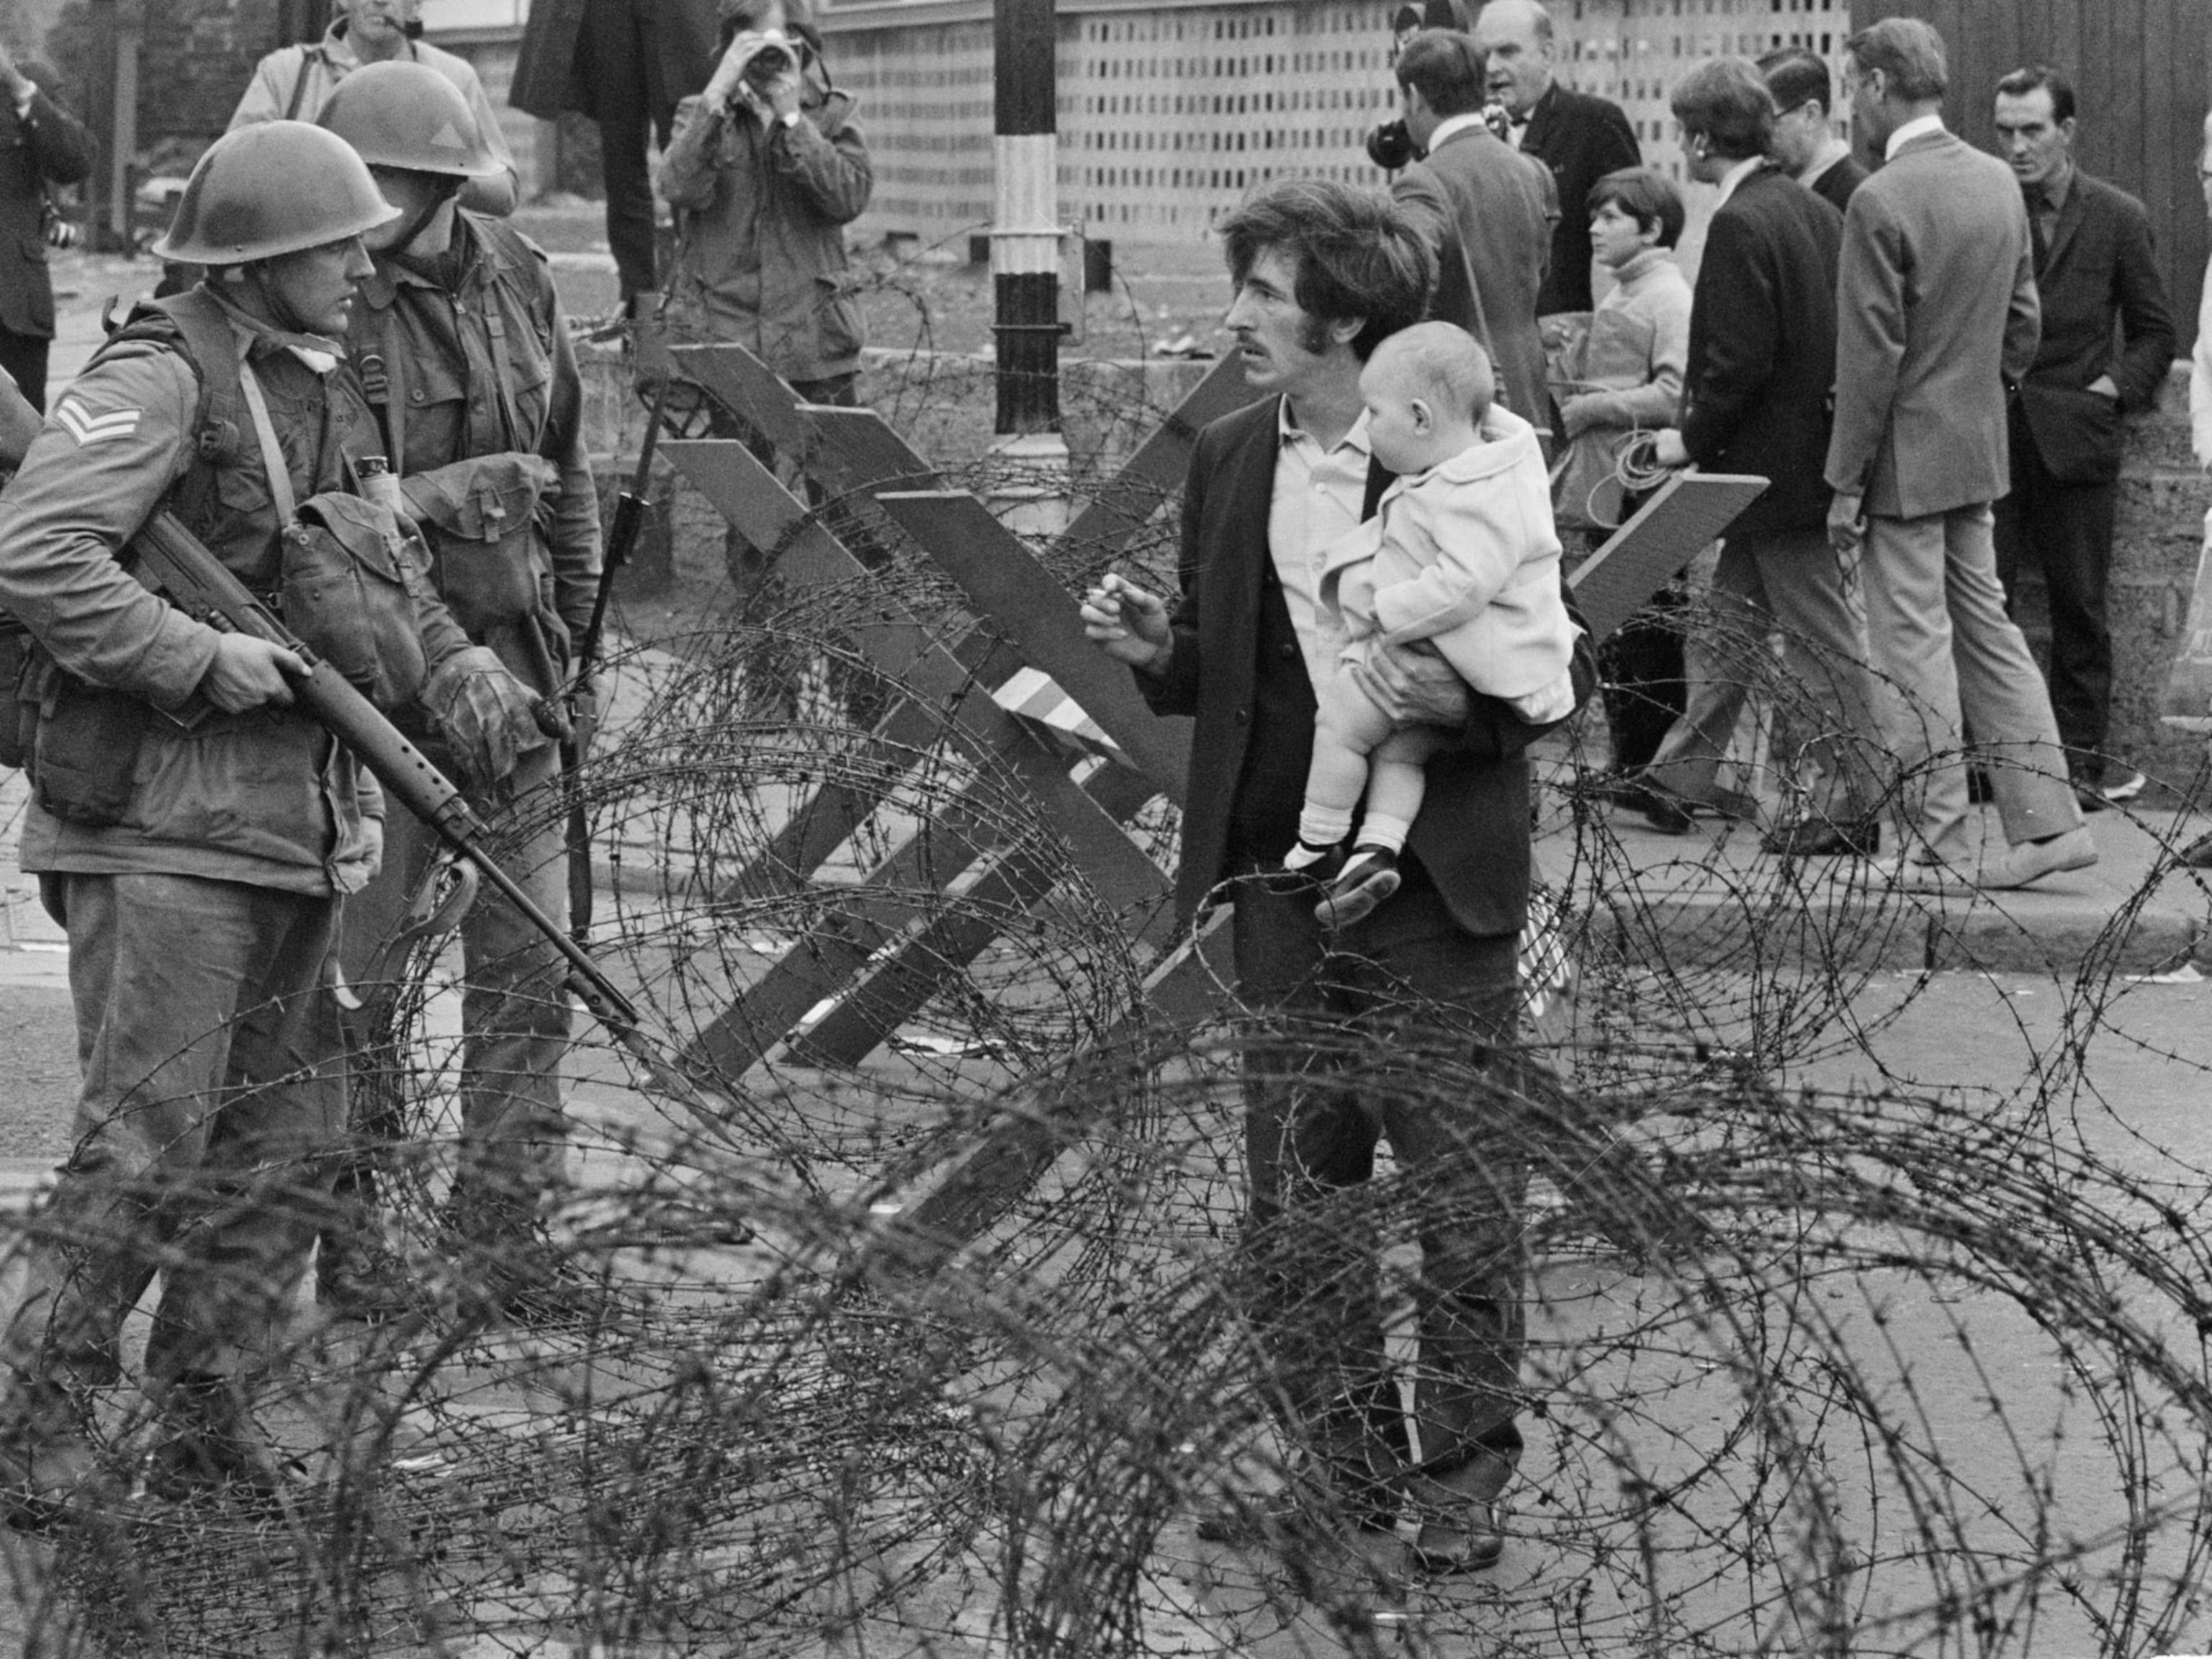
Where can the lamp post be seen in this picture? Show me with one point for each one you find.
(1025, 263)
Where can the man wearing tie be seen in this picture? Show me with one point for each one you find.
(1580, 137)
(2097, 277)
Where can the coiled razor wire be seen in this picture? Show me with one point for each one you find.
(1887, 1369)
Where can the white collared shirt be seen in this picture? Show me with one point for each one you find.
(1736, 174)
(1919, 126)
(1317, 497)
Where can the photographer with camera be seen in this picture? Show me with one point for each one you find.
(765, 170)
(41, 144)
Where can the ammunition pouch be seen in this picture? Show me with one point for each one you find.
(84, 759)
(19, 692)
(350, 585)
(487, 520)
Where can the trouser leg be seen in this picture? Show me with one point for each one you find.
(2001, 694)
(1909, 635)
(2066, 531)
(1823, 652)
(515, 1021)
(181, 988)
(1311, 1284)
(1723, 661)
(1644, 684)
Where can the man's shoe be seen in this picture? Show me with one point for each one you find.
(1665, 810)
(1468, 1541)
(1368, 878)
(51, 1473)
(2198, 855)
(1306, 1507)
(2101, 797)
(2032, 860)
(1819, 837)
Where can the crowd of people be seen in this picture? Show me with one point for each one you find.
(1927, 360)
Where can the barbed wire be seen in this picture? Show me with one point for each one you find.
(1870, 1366)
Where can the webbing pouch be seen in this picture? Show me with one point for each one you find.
(84, 762)
(350, 582)
(484, 519)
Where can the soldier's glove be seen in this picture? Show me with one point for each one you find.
(485, 713)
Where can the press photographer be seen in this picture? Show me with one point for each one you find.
(765, 170)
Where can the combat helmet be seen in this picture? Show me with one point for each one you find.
(273, 188)
(404, 114)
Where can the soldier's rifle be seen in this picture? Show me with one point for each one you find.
(171, 559)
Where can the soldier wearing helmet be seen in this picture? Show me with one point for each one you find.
(190, 829)
(460, 343)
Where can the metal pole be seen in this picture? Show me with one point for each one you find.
(1025, 240)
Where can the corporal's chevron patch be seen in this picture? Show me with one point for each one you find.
(88, 429)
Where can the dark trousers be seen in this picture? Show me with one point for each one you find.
(24, 357)
(2067, 530)
(1392, 1030)
(1643, 680)
(611, 42)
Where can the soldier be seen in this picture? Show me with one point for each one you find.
(192, 831)
(468, 364)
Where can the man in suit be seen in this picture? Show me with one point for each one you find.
(1806, 142)
(1322, 272)
(41, 143)
(1936, 312)
(1755, 400)
(2097, 275)
(1581, 138)
(1485, 212)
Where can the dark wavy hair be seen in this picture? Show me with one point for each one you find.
(1356, 253)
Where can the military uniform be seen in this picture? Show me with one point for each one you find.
(199, 918)
(467, 357)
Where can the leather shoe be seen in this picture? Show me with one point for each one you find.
(1819, 837)
(1309, 1505)
(1468, 1541)
(2032, 860)
(2198, 855)
(1665, 810)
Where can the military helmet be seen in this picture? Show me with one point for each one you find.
(405, 115)
(271, 188)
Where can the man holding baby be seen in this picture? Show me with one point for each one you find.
(1389, 1024)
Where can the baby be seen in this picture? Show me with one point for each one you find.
(1459, 566)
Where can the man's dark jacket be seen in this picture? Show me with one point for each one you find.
(579, 55)
(1755, 394)
(1838, 180)
(2100, 264)
(1581, 138)
(1238, 667)
(49, 146)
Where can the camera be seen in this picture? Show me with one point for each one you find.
(1391, 145)
(772, 58)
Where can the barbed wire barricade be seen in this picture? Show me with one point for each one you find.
(1861, 1366)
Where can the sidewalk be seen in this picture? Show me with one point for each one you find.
(1701, 897)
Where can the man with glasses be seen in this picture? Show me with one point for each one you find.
(1807, 145)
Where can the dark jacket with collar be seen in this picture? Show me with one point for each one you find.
(1238, 668)
(2099, 269)
(1581, 138)
(47, 146)
(1755, 394)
